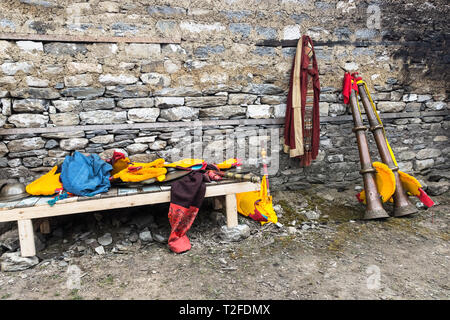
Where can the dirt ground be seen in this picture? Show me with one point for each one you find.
(337, 256)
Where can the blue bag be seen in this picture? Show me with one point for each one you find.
(85, 175)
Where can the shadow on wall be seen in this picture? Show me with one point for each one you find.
(423, 27)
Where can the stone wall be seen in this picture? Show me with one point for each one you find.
(225, 61)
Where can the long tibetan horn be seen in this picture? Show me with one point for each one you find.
(402, 205)
(374, 207)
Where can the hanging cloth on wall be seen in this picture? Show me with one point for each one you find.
(310, 86)
(293, 134)
(302, 122)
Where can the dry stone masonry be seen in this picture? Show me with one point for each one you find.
(233, 63)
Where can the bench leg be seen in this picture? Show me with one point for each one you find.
(26, 237)
(231, 210)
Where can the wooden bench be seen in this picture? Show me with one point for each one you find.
(25, 210)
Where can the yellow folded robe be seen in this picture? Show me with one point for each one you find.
(227, 164)
(140, 175)
(186, 163)
(143, 171)
(158, 163)
(46, 185)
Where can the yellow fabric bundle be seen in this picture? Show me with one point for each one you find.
(158, 163)
(227, 164)
(257, 204)
(139, 171)
(141, 175)
(46, 185)
(120, 165)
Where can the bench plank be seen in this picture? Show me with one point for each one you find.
(68, 200)
(43, 201)
(126, 191)
(83, 198)
(112, 192)
(151, 189)
(61, 208)
(9, 205)
(27, 202)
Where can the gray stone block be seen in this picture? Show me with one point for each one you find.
(13, 261)
(28, 120)
(165, 10)
(98, 104)
(127, 91)
(212, 101)
(36, 93)
(83, 93)
(64, 48)
(30, 105)
(240, 28)
(240, 232)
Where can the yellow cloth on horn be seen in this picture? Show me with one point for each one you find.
(410, 183)
(385, 181)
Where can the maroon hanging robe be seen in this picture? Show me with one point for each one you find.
(302, 122)
(310, 89)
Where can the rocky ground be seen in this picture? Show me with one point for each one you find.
(320, 250)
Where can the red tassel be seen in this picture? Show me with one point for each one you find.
(349, 83)
(425, 199)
